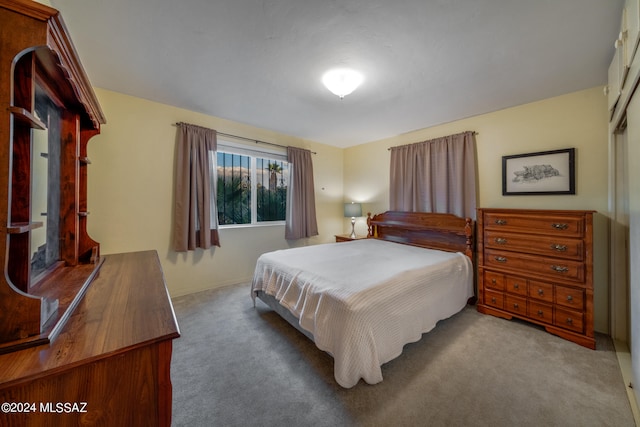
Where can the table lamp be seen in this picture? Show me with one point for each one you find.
(352, 210)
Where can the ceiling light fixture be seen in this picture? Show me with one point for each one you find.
(342, 81)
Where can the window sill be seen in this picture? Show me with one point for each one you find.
(259, 225)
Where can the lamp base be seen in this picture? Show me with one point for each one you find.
(353, 227)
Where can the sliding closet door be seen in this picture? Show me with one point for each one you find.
(633, 134)
(620, 326)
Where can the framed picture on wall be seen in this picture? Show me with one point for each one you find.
(544, 172)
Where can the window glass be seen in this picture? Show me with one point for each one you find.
(250, 189)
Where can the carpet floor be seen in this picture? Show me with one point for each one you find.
(240, 365)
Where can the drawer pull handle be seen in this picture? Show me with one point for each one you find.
(540, 313)
(500, 259)
(559, 248)
(516, 286)
(560, 226)
(569, 321)
(540, 292)
(493, 300)
(493, 281)
(501, 240)
(515, 305)
(559, 268)
(501, 222)
(569, 298)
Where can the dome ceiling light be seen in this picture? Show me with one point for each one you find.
(342, 81)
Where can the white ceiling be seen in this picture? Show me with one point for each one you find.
(425, 62)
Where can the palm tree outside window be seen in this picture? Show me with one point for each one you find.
(251, 189)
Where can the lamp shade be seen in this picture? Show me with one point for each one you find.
(352, 209)
(342, 81)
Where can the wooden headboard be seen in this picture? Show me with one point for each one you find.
(445, 232)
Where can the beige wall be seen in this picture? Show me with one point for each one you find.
(131, 193)
(575, 120)
(131, 181)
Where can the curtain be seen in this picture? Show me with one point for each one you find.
(301, 203)
(438, 175)
(196, 216)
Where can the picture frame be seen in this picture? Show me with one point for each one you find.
(540, 173)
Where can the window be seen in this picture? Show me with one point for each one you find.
(251, 186)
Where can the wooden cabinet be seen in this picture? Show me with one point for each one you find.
(537, 265)
(77, 329)
(48, 113)
(110, 362)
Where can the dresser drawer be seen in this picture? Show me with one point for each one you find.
(493, 299)
(540, 291)
(567, 269)
(516, 285)
(563, 247)
(515, 304)
(494, 280)
(569, 319)
(570, 297)
(562, 225)
(540, 312)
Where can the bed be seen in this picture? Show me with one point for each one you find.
(362, 301)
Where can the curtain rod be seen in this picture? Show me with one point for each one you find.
(257, 141)
(428, 140)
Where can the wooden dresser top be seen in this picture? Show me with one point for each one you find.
(126, 306)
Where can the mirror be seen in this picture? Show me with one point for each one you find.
(39, 177)
(45, 186)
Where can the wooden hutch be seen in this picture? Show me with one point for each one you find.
(75, 326)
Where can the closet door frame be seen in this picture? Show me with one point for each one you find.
(619, 319)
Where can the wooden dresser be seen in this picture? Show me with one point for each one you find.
(110, 365)
(84, 339)
(537, 265)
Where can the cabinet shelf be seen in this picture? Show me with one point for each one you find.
(26, 117)
(23, 227)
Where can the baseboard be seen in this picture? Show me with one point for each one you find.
(218, 285)
(624, 360)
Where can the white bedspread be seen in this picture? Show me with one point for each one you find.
(364, 300)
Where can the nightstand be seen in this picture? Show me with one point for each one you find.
(348, 238)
